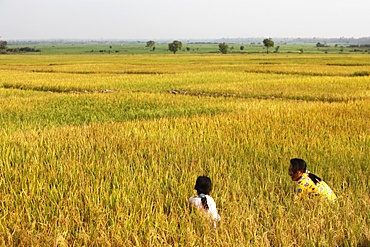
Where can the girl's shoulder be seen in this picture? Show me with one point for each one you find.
(304, 180)
(193, 198)
(209, 198)
(195, 201)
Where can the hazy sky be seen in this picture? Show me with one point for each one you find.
(173, 19)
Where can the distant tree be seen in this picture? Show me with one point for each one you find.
(320, 45)
(150, 44)
(175, 46)
(277, 49)
(188, 48)
(268, 43)
(3, 44)
(242, 47)
(223, 47)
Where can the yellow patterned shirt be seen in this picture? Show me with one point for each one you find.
(306, 188)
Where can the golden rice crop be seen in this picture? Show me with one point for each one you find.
(83, 166)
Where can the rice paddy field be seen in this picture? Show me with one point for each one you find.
(104, 150)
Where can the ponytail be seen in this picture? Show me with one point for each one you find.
(313, 177)
(203, 198)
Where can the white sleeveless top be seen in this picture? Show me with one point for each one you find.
(196, 202)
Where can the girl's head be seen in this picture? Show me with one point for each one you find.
(298, 167)
(203, 185)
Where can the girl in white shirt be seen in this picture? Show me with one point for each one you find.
(203, 201)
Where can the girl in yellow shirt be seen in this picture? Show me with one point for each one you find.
(309, 185)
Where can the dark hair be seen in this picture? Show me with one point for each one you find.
(203, 185)
(300, 165)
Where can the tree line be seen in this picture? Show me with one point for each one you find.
(4, 49)
(223, 47)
